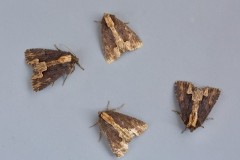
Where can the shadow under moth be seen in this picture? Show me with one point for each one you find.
(117, 38)
(119, 129)
(48, 65)
(195, 103)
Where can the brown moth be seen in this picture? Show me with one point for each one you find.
(117, 38)
(48, 65)
(195, 103)
(119, 129)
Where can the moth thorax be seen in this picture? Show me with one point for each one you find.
(64, 59)
(106, 117)
(108, 20)
(74, 59)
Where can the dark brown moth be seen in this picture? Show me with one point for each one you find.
(119, 129)
(48, 65)
(117, 38)
(195, 103)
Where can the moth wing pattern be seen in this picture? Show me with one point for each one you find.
(185, 102)
(117, 145)
(133, 125)
(184, 99)
(43, 55)
(130, 39)
(207, 104)
(48, 75)
(119, 137)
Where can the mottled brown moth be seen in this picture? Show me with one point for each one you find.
(48, 65)
(117, 38)
(119, 129)
(195, 103)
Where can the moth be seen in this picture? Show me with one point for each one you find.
(117, 38)
(119, 129)
(195, 103)
(48, 65)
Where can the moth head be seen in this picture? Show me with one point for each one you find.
(197, 93)
(99, 113)
(75, 60)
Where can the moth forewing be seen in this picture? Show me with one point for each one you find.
(195, 103)
(117, 38)
(48, 65)
(119, 129)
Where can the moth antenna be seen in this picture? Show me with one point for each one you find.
(57, 47)
(69, 49)
(120, 107)
(67, 75)
(108, 105)
(74, 55)
(115, 109)
(80, 66)
(65, 47)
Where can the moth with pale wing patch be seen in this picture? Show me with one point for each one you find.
(117, 38)
(195, 103)
(49, 65)
(119, 129)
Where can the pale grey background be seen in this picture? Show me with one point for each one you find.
(191, 40)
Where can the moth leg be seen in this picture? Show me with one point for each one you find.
(65, 79)
(100, 135)
(94, 124)
(52, 83)
(71, 71)
(177, 112)
(184, 130)
(97, 21)
(68, 74)
(209, 119)
(200, 124)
